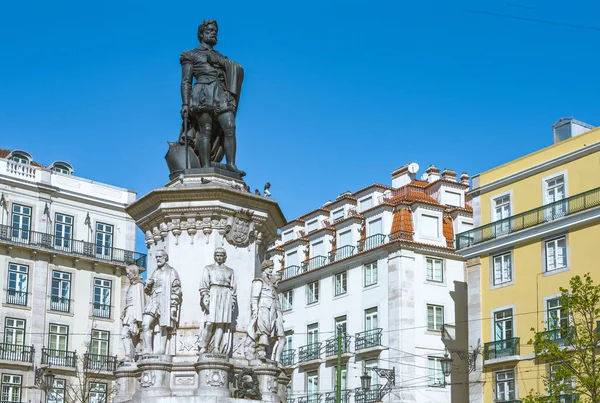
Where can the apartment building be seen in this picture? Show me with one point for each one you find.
(536, 225)
(64, 242)
(380, 265)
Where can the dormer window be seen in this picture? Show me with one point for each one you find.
(365, 203)
(62, 168)
(20, 157)
(338, 215)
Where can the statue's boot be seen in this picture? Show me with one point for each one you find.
(203, 149)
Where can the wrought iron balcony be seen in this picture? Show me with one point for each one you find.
(97, 362)
(309, 352)
(15, 297)
(562, 398)
(540, 215)
(313, 398)
(501, 348)
(314, 263)
(59, 357)
(68, 246)
(374, 394)
(341, 253)
(562, 337)
(287, 357)
(101, 310)
(60, 304)
(371, 242)
(330, 397)
(290, 271)
(368, 339)
(15, 352)
(331, 346)
(401, 236)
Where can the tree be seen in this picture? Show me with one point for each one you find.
(570, 346)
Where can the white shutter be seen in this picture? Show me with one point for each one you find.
(345, 239)
(375, 227)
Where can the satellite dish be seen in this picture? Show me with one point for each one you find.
(425, 176)
(413, 167)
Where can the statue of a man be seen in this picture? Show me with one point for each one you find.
(210, 102)
(217, 300)
(265, 330)
(131, 317)
(164, 291)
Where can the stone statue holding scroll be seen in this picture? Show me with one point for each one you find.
(217, 300)
(131, 317)
(164, 301)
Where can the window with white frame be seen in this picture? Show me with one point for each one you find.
(369, 368)
(21, 222)
(435, 317)
(99, 349)
(370, 273)
(556, 254)
(14, 334)
(63, 231)
(562, 378)
(344, 377)
(312, 333)
(503, 272)
(505, 386)
(11, 388)
(104, 239)
(97, 392)
(375, 227)
(453, 199)
(312, 225)
(501, 206)
(18, 279)
(341, 283)
(287, 300)
(58, 341)
(60, 298)
(340, 322)
(20, 158)
(555, 192)
(312, 385)
(557, 317)
(102, 293)
(503, 325)
(435, 269)
(57, 393)
(292, 259)
(435, 374)
(371, 319)
(429, 226)
(287, 236)
(312, 292)
(365, 204)
(317, 249)
(338, 215)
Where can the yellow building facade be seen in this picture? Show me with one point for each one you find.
(536, 225)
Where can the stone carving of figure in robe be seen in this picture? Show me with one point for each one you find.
(131, 317)
(265, 330)
(217, 300)
(164, 301)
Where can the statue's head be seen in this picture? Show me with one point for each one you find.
(220, 255)
(207, 32)
(162, 257)
(132, 271)
(267, 267)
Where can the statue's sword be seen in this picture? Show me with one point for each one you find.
(185, 133)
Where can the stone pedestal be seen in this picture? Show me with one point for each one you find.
(267, 373)
(155, 376)
(127, 377)
(213, 375)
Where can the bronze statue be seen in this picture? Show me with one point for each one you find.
(210, 93)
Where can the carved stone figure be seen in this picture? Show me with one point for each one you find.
(163, 307)
(131, 317)
(265, 330)
(246, 385)
(210, 93)
(217, 300)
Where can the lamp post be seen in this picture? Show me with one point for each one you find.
(446, 366)
(44, 379)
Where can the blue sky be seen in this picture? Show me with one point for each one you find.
(337, 94)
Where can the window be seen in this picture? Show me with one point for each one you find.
(365, 203)
(292, 259)
(287, 300)
(338, 215)
(312, 333)
(453, 199)
(502, 269)
(63, 231)
(102, 291)
(60, 299)
(503, 324)
(58, 341)
(11, 388)
(14, 332)
(57, 393)
(18, 277)
(435, 375)
(287, 236)
(288, 342)
(435, 269)
(97, 392)
(369, 368)
(312, 225)
(104, 239)
(21, 222)
(505, 386)
(61, 169)
(562, 377)
(341, 283)
(371, 319)
(344, 379)
(556, 254)
(429, 226)
(20, 158)
(340, 321)
(501, 207)
(370, 274)
(317, 249)
(435, 317)
(555, 192)
(375, 227)
(557, 316)
(99, 348)
(312, 384)
(312, 292)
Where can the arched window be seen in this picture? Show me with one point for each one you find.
(20, 158)
(62, 167)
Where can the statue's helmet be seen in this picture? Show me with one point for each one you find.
(266, 264)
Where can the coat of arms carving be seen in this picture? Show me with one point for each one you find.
(240, 228)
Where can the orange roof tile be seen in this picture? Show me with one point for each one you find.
(447, 229)
(5, 153)
(402, 221)
(411, 192)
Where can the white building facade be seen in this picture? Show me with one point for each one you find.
(64, 242)
(379, 264)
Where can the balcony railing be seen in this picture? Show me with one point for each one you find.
(287, 357)
(59, 357)
(101, 310)
(290, 271)
(313, 398)
(52, 243)
(562, 337)
(330, 397)
(60, 304)
(15, 352)
(562, 399)
(501, 348)
(546, 213)
(331, 346)
(401, 236)
(371, 242)
(309, 352)
(368, 396)
(100, 362)
(368, 339)
(314, 263)
(341, 253)
(15, 297)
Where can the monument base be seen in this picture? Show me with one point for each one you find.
(155, 376)
(213, 375)
(127, 377)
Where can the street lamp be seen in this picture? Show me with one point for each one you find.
(365, 381)
(446, 365)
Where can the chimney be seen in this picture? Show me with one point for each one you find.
(404, 175)
(449, 175)
(565, 128)
(433, 173)
(464, 179)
